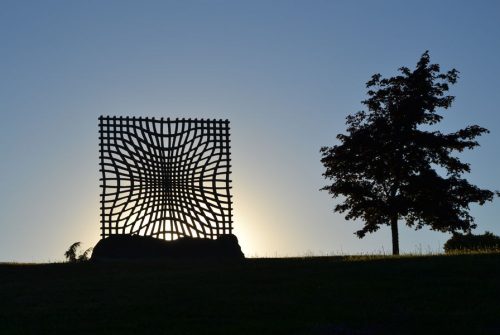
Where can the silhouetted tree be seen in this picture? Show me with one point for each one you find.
(385, 165)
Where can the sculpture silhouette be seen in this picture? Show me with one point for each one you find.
(166, 179)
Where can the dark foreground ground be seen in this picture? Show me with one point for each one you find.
(323, 296)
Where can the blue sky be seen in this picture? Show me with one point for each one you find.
(285, 73)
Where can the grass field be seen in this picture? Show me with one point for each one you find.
(318, 295)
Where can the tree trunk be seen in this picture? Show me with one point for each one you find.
(395, 235)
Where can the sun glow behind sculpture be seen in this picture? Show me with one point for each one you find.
(165, 178)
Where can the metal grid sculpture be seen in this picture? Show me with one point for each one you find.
(165, 178)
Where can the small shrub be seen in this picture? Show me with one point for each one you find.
(471, 242)
(84, 256)
(71, 255)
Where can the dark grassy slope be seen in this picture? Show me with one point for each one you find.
(438, 294)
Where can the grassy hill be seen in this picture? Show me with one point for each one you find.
(323, 295)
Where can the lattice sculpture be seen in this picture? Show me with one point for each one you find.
(165, 178)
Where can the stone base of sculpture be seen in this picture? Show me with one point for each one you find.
(135, 247)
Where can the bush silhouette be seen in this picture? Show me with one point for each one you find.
(71, 254)
(471, 242)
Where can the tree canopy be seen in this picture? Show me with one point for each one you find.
(385, 166)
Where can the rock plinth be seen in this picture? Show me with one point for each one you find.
(135, 247)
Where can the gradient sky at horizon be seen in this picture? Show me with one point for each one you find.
(285, 73)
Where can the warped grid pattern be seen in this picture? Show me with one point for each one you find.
(165, 178)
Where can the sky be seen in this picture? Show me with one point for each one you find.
(285, 73)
